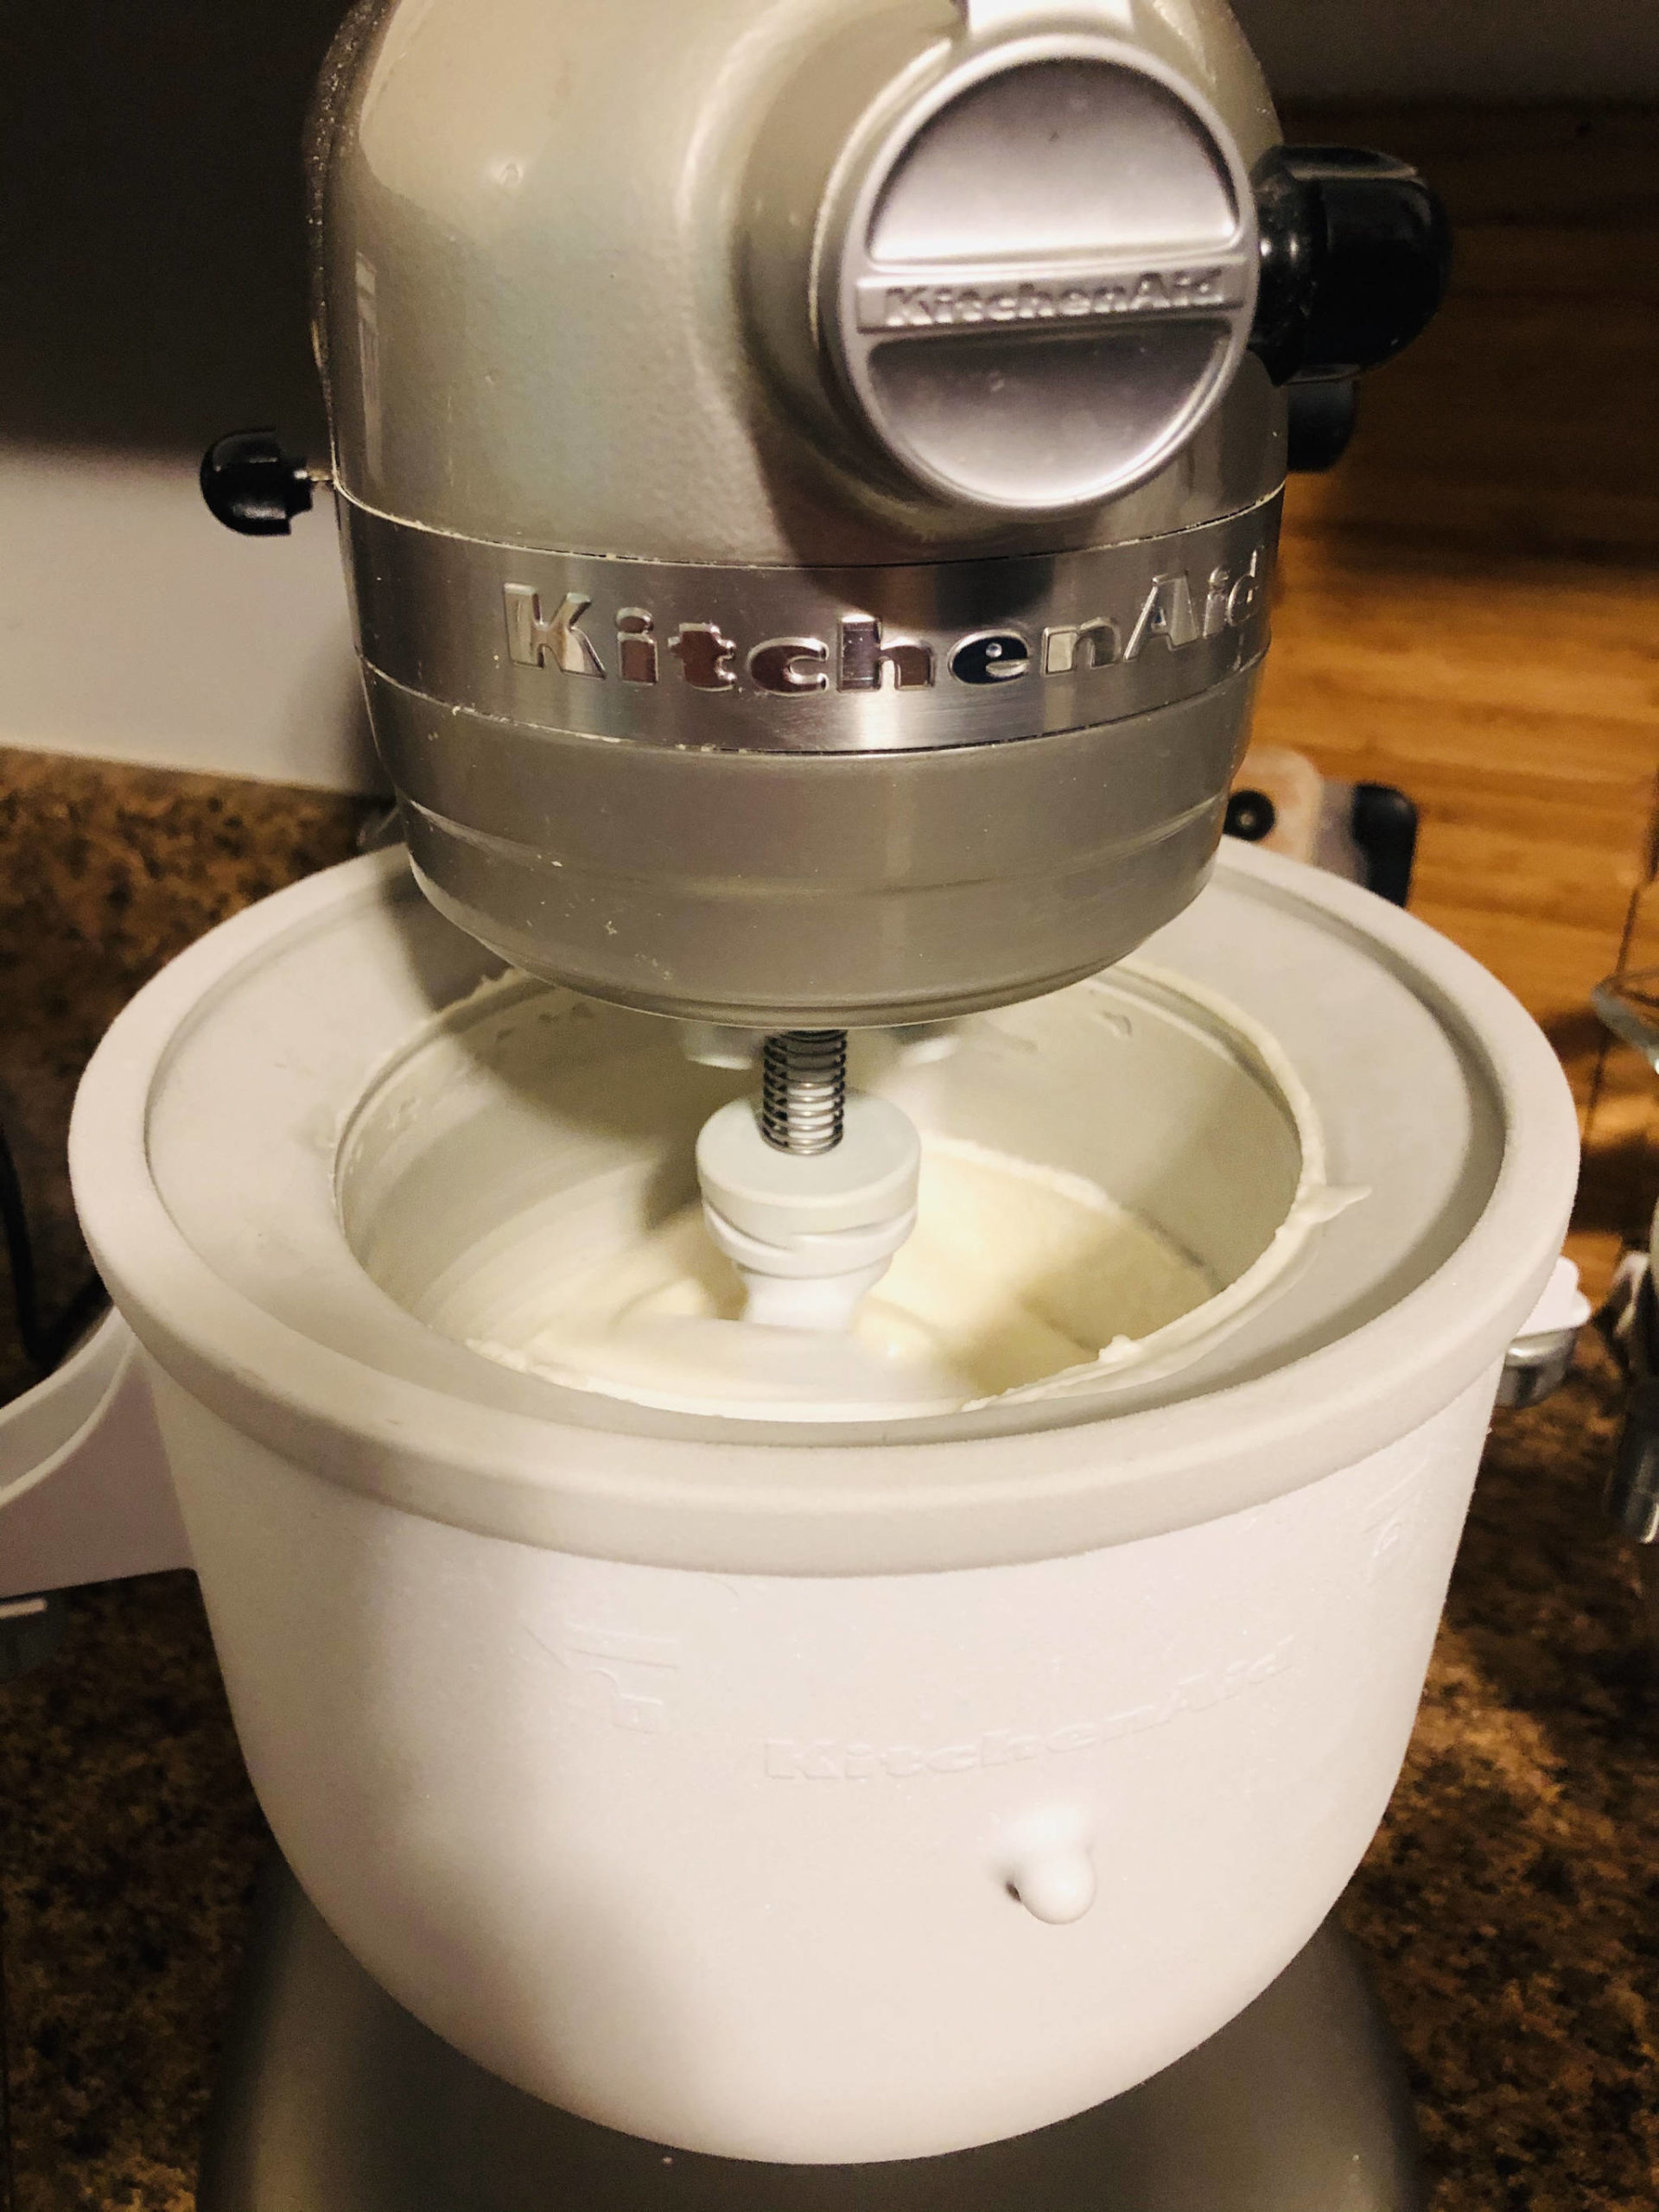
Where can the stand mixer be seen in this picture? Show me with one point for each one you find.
(902, 381)
(809, 476)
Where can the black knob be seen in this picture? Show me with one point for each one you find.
(1322, 418)
(252, 485)
(1251, 815)
(1356, 254)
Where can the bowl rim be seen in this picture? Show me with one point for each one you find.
(759, 1504)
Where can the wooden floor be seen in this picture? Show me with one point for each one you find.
(1469, 603)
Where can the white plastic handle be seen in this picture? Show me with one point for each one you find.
(85, 1494)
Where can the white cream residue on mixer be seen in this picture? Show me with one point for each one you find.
(1014, 1274)
(1318, 1200)
(562, 1124)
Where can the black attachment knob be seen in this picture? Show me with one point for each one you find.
(1322, 418)
(1356, 254)
(252, 485)
(1251, 815)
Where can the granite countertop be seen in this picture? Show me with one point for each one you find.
(105, 872)
(1511, 1903)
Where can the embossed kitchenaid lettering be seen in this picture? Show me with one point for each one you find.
(824, 1760)
(1174, 610)
(1082, 297)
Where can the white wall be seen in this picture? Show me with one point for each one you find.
(134, 627)
(1456, 49)
(154, 297)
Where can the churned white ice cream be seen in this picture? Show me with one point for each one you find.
(1013, 1273)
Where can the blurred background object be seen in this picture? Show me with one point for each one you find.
(1367, 832)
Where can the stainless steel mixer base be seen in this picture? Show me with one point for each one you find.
(331, 2099)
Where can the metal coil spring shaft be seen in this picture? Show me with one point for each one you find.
(803, 1089)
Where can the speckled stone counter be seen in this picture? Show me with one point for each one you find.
(127, 1829)
(105, 872)
(1511, 1903)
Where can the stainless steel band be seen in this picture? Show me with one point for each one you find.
(779, 892)
(899, 659)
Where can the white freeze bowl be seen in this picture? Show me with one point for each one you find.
(788, 1790)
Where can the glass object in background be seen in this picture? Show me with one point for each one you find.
(1629, 1004)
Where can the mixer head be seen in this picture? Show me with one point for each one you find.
(809, 472)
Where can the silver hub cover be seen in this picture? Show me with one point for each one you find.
(1044, 274)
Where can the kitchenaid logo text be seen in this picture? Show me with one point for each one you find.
(1079, 297)
(1175, 611)
(827, 1760)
